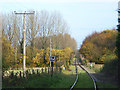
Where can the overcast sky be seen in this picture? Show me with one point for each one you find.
(83, 16)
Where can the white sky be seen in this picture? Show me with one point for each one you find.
(56, 1)
(83, 16)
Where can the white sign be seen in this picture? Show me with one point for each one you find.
(63, 68)
(91, 65)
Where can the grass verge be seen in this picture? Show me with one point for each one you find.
(106, 85)
(44, 80)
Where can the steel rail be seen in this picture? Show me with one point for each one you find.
(75, 80)
(95, 85)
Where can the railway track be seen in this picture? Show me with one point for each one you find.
(77, 63)
(76, 77)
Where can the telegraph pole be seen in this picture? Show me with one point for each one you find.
(59, 51)
(50, 53)
(24, 30)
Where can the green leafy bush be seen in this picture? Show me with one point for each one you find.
(111, 65)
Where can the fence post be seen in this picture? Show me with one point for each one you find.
(45, 69)
(42, 70)
(48, 70)
(27, 73)
(33, 71)
(60, 69)
(52, 69)
(37, 71)
(12, 74)
(20, 74)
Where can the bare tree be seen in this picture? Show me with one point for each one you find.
(43, 27)
(15, 38)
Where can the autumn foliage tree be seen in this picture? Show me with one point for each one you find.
(96, 46)
(7, 54)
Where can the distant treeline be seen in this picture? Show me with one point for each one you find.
(98, 46)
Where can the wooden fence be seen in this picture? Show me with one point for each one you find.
(38, 71)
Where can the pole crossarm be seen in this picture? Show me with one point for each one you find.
(24, 12)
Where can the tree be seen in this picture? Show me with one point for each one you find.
(7, 54)
(15, 39)
(32, 31)
(97, 45)
(39, 29)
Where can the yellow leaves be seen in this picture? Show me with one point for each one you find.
(67, 53)
(97, 45)
(38, 54)
(26, 57)
(64, 55)
(102, 58)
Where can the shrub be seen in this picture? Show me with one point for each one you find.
(111, 65)
(84, 62)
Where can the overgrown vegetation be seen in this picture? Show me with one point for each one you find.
(107, 85)
(118, 49)
(101, 49)
(111, 63)
(98, 45)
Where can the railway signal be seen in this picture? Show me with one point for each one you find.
(52, 58)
